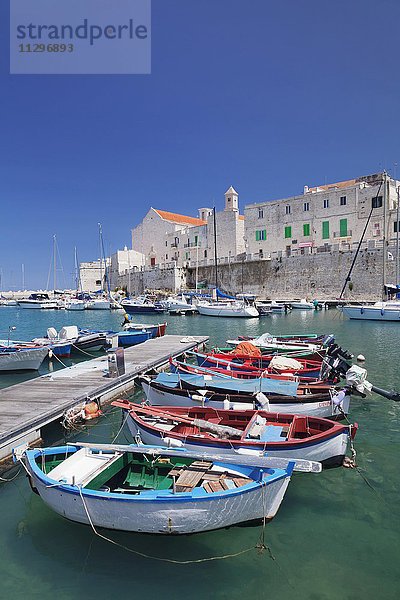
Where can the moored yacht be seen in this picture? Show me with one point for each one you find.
(38, 301)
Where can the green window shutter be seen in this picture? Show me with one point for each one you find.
(306, 229)
(343, 227)
(257, 236)
(325, 230)
(288, 231)
(264, 234)
(196, 240)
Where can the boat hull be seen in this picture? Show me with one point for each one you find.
(325, 408)
(33, 304)
(371, 313)
(23, 360)
(163, 512)
(214, 310)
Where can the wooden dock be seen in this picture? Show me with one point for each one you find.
(27, 407)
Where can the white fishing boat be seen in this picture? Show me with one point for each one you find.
(303, 304)
(153, 490)
(235, 308)
(334, 405)
(225, 431)
(380, 311)
(38, 301)
(13, 358)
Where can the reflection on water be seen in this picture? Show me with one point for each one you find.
(334, 537)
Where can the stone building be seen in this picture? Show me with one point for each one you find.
(92, 275)
(168, 239)
(150, 236)
(322, 216)
(121, 262)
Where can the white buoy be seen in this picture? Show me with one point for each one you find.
(361, 357)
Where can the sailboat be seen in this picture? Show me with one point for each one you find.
(229, 306)
(101, 303)
(75, 303)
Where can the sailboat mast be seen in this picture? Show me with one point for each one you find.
(384, 250)
(54, 264)
(215, 253)
(101, 255)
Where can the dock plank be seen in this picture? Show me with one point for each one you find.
(26, 407)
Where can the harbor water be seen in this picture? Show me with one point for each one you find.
(336, 535)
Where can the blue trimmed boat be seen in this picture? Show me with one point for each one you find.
(175, 492)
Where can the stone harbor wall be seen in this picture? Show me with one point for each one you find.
(319, 276)
(169, 279)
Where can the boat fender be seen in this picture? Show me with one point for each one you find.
(91, 411)
(362, 310)
(171, 443)
(50, 353)
(227, 404)
(338, 398)
(361, 358)
(382, 311)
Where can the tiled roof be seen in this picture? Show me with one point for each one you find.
(330, 186)
(181, 219)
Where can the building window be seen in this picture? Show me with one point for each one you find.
(395, 227)
(98, 281)
(187, 255)
(306, 206)
(306, 229)
(343, 227)
(343, 200)
(261, 235)
(166, 257)
(288, 231)
(325, 230)
(326, 203)
(205, 253)
(166, 243)
(196, 239)
(287, 210)
(376, 230)
(260, 213)
(377, 202)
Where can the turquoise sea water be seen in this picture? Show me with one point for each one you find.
(333, 537)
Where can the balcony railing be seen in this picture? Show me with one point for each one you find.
(192, 245)
(338, 234)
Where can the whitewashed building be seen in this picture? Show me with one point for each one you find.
(92, 275)
(166, 238)
(324, 216)
(121, 263)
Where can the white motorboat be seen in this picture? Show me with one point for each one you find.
(235, 308)
(75, 304)
(380, 311)
(179, 305)
(40, 301)
(303, 304)
(98, 304)
(5, 302)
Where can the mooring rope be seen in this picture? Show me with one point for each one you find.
(12, 478)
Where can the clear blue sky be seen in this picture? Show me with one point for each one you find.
(265, 95)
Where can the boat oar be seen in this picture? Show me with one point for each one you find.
(248, 458)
